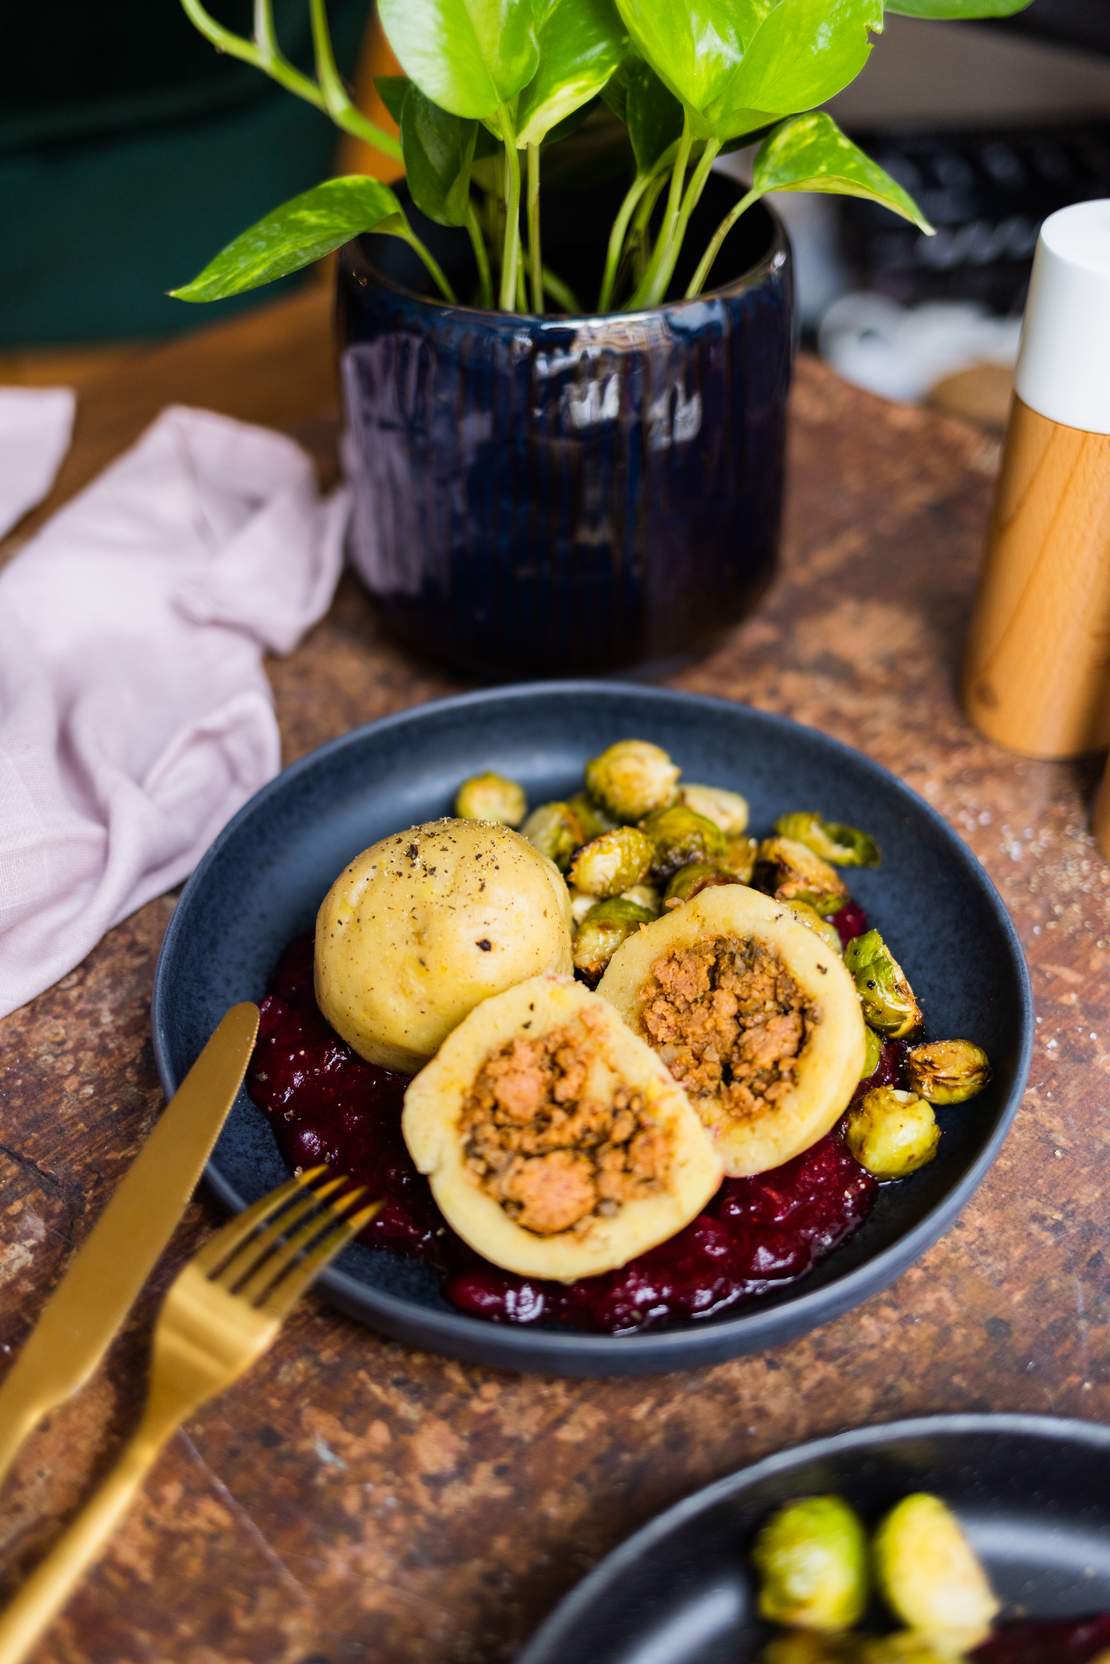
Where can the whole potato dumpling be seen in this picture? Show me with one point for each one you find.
(427, 923)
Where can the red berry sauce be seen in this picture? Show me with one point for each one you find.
(1062, 1641)
(757, 1235)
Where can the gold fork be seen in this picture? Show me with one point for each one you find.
(221, 1313)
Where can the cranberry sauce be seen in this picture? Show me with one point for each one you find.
(1062, 1641)
(850, 921)
(756, 1235)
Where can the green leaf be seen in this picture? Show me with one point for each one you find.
(581, 42)
(653, 114)
(391, 90)
(693, 45)
(803, 53)
(957, 9)
(467, 56)
(438, 150)
(736, 64)
(810, 153)
(290, 237)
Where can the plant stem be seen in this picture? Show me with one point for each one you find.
(642, 224)
(439, 276)
(656, 282)
(481, 258)
(265, 37)
(705, 264)
(263, 54)
(510, 253)
(535, 257)
(561, 292)
(649, 283)
(616, 239)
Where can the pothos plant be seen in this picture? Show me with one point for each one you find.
(490, 86)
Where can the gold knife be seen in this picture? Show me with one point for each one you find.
(103, 1278)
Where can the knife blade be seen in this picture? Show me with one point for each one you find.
(104, 1276)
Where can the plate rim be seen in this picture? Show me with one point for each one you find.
(1074, 1430)
(761, 1325)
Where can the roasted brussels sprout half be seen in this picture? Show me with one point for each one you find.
(592, 819)
(790, 871)
(580, 903)
(892, 1133)
(874, 1054)
(725, 809)
(931, 1577)
(812, 1561)
(681, 836)
(631, 779)
(844, 846)
(738, 859)
(947, 1071)
(823, 927)
(612, 862)
(555, 830)
(906, 1647)
(691, 879)
(884, 990)
(806, 1647)
(645, 895)
(602, 931)
(491, 797)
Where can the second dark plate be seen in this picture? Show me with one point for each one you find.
(261, 883)
(1032, 1492)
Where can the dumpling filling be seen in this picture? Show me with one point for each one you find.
(554, 1136)
(729, 1021)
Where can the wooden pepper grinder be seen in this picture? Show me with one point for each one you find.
(1037, 670)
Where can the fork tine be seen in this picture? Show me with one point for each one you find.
(250, 1285)
(251, 1253)
(224, 1243)
(292, 1282)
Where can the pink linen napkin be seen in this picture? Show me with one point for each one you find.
(135, 713)
(35, 428)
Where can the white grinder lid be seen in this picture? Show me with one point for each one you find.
(1063, 367)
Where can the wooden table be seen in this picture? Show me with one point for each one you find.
(354, 1500)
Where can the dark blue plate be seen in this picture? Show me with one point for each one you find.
(1032, 1492)
(262, 880)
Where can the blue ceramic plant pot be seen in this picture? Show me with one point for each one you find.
(551, 496)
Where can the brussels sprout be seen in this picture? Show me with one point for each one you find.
(811, 1557)
(931, 1577)
(802, 1647)
(948, 1071)
(555, 830)
(580, 903)
(602, 931)
(739, 857)
(632, 778)
(611, 863)
(873, 1048)
(821, 927)
(491, 797)
(892, 1133)
(593, 821)
(725, 809)
(691, 879)
(681, 836)
(790, 871)
(885, 994)
(644, 895)
(906, 1647)
(844, 846)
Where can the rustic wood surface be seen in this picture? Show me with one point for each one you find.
(353, 1500)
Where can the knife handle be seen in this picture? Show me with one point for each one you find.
(50, 1585)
